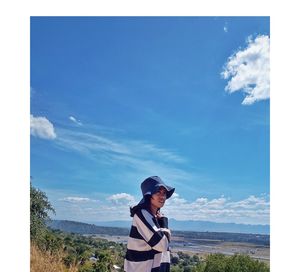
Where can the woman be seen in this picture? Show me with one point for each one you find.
(148, 243)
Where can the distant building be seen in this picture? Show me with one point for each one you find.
(116, 267)
(93, 259)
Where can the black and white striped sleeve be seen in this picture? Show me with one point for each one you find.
(154, 236)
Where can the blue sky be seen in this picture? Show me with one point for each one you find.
(117, 99)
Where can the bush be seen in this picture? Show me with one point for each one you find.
(104, 263)
(174, 260)
(236, 263)
(243, 263)
(215, 263)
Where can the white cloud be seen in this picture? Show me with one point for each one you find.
(41, 127)
(250, 202)
(176, 200)
(201, 201)
(251, 210)
(121, 198)
(248, 70)
(217, 203)
(74, 120)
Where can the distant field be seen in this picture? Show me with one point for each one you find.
(203, 247)
(257, 246)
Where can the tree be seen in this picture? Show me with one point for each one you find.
(199, 267)
(176, 269)
(174, 260)
(39, 212)
(187, 268)
(215, 263)
(195, 259)
(243, 263)
(104, 263)
(51, 242)
(69, 260)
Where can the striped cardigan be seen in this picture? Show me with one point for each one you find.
(148, 244)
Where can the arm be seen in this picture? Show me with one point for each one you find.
(153, 235)
(163, 223)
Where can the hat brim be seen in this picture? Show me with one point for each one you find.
(170, 190)
(169, 193)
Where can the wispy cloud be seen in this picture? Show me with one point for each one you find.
(74, 120)
(225, 27)
(248, 70)
(88, 143)
(41, 127)
(75, 199)
(252, 210)
(139, 156)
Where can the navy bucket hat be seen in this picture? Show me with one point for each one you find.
(151, 186)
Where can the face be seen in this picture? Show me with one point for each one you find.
(158, 199)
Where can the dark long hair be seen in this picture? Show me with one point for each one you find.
(145, 205)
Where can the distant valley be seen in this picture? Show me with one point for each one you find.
(190, 225)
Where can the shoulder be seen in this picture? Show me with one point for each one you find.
(147, 215)
(142, 212)
(144, 218)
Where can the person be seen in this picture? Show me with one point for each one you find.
(148, 243)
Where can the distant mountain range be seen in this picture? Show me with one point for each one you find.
(85, 228)
(199, 226)
(191, 225)
(123, 230)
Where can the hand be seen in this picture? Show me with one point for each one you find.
(159, 215)
(167, 232)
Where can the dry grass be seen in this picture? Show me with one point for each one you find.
(45, 262)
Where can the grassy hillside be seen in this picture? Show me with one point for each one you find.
(59, 251)
(45, 261)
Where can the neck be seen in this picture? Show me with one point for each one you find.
(153, 210)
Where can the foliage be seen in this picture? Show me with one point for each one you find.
(75, 251)
(216, 263)
(39, 213)
(243, 263)
(104, 263)
(236, 263)
(174, 260)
